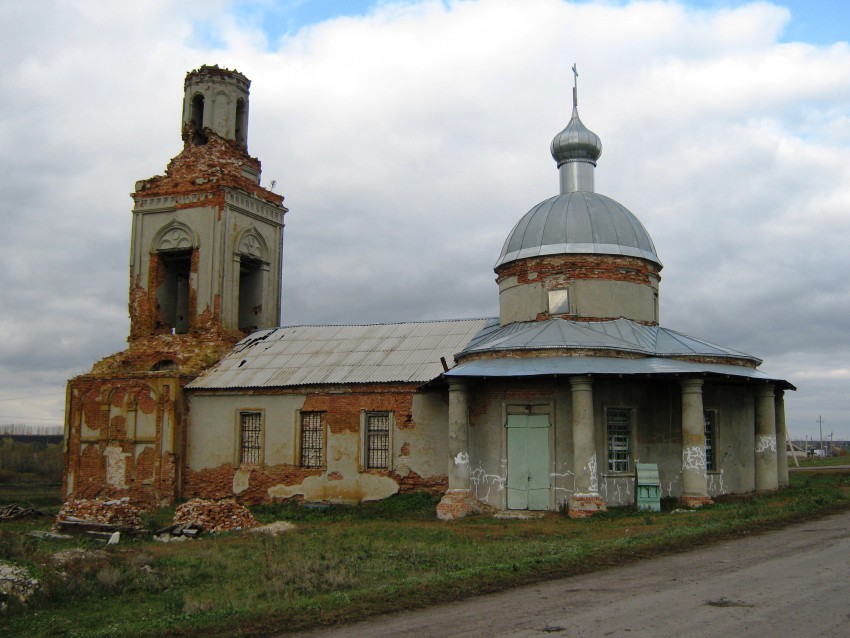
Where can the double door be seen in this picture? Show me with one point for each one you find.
(528, 479)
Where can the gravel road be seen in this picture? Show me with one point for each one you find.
(791, 582)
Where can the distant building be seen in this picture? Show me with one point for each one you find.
(549, 405)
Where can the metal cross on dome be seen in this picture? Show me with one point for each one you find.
(575, 85)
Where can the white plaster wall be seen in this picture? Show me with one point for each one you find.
(520, 302)
(213, 428)
(603, 298)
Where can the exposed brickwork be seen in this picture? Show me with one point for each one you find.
(412, 482)
(342, 406)
(586, 505)
(217, 482)
(695, 502)
(457, 504)
(105, 457)
(200, 173)
(559, 270)
(485, 395)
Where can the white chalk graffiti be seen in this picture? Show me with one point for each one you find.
(480, 479)
(765, 443)
(622, 487)
(715, 484)
(693, 458)
(673, 487)
(594, 477)
(560, 488)
(462, 458)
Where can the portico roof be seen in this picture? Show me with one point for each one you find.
(572, 366)
(621, 335)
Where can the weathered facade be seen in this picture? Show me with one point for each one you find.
(549, 406)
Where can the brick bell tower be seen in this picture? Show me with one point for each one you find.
(205, 270)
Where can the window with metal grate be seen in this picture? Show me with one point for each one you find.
(377, 440)
(619, 425)
(251, 438)
(312, 440)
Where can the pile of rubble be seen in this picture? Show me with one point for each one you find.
(114, 514)
(15, 583)
(214, 516)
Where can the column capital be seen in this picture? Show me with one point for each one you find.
(766, 390)
(581, 383)
(691, 385)
(456, 384)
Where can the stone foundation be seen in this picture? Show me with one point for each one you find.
(586, 505)
(457, 504)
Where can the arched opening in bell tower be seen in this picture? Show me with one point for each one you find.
(241, 128)
(250, 293)
(198, 136)
(172, 296)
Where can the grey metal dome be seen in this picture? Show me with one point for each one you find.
(580, 222)
(576, 142)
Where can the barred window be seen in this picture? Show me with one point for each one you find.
(710, 440)
(312, 440)
(251, 438)
(619, 427)
(378, 440)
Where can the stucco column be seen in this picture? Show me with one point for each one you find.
(458, 436)
(694, 478)
(586, 500)
(458, 501)
(781, 442)
(766, 473)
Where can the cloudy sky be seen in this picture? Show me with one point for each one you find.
(409, 137)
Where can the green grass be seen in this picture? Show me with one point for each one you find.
(829, 461)
(345, 563)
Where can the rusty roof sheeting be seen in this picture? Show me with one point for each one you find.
(312, 355)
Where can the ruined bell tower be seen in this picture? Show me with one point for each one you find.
(206, 247)
(205, 270)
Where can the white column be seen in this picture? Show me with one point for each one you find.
(458, 435)
(586, 500)
(781, 442)
(694, 478)
(458, 501)
(766, 473)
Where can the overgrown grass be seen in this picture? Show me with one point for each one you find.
(347, 563)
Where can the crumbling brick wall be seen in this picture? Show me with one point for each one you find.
(341, 407)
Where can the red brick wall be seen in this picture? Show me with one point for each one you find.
(560, 269)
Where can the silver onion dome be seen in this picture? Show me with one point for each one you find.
(576, 143)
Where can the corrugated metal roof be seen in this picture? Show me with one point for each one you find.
(310, 355)
(545, 366)
(621, 335)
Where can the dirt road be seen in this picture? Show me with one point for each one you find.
(793, 582)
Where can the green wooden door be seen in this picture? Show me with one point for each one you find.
(528, 461)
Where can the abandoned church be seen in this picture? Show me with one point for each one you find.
(550, 405)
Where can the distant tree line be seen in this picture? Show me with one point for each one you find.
(34, 460)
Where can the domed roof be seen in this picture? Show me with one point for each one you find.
(576, 142)
(578, 222)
